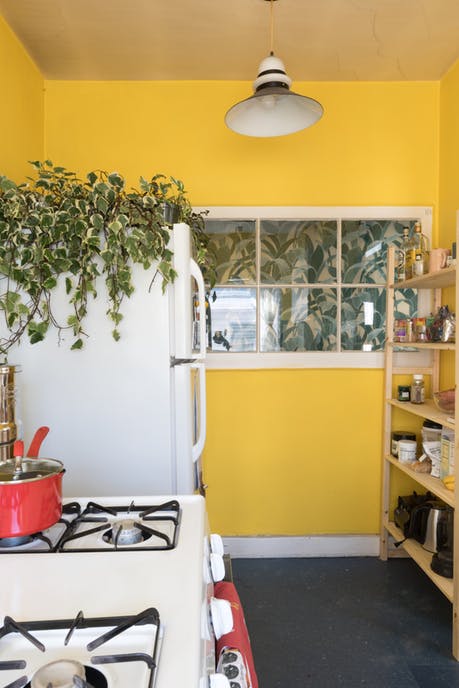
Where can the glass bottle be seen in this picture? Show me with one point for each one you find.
(417, 254)
(417, 390)
(400, 270)
(420, 265)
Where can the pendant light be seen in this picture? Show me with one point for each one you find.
(273, 110)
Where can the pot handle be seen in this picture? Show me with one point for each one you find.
(18, 451)
(37, 439)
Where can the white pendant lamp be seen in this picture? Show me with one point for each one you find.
(273, 110)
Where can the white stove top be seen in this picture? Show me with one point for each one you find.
(58, 585)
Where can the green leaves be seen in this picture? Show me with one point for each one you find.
(37, 331)
(59, 231)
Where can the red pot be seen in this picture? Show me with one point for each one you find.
(30, 495)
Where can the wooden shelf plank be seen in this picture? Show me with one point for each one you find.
(433, 280)
(415, 346)
(426, 410)
(430, 483)
(422, 559)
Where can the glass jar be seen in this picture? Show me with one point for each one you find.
(417, 389)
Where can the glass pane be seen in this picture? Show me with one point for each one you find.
(301, 319)
(364, 248)
(298, 252)
(363, 314)
(233, 319)
(405, 303)
(232, 250)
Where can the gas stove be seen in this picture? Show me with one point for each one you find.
(113, 558)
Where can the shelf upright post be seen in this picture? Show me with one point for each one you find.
(388, 364)
(456, 491)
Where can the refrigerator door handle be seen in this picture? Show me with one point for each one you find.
(180, 361)
(198, 447)
(197, 274)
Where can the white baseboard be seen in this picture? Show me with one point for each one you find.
(302, 546)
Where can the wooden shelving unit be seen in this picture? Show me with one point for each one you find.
(434, 282)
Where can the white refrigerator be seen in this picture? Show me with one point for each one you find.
(126, 417)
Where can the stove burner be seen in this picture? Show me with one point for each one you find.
(45, 540)
(129, 527)
(126, 532)
(15, 541)
(58, 674)
(92, 678)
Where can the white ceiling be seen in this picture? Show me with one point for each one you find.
(332, 40)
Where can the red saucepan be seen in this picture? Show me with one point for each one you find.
(30, 491)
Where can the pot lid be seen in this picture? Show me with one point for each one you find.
(30, 470)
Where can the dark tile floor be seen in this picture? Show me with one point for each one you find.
(346, 622)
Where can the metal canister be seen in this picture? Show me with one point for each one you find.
(8, 426)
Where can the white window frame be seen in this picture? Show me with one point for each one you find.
(310, 359)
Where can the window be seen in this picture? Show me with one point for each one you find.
(298, 283)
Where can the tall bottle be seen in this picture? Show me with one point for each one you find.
(417, 254)
(400, 270)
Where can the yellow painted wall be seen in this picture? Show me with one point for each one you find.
(449, 154)
(377, 143)
(448, 186)
(293, 451)
(21, 110)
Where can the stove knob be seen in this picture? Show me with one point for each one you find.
(222, 617)
(217, 566)
(218, 681)
(216, 544)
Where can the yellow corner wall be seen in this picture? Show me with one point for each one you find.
(449, 155)
(21, 113)
(288, 451)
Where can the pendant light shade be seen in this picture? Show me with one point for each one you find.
(273, 110)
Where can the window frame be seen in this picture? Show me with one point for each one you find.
(310, 359)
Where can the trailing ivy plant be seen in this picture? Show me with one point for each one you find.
(59, 230)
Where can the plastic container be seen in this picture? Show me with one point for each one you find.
(431, 443)
(407, 451)
(417, 390)
(398, 435)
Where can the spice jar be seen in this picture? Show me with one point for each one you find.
(403, 393)
(417, 390)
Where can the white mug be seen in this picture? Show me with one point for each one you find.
(438, 259)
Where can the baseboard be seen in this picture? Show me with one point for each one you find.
(302, 546)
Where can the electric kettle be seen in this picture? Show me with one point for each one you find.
(437, 527)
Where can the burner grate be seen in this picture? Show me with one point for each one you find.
(99, 528)
(44, 541)
(114, 628)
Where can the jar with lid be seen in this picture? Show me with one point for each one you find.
(417, 389)
(398, 435)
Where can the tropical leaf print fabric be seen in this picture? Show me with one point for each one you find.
(303, 285)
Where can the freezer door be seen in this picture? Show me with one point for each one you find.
(187, 301)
